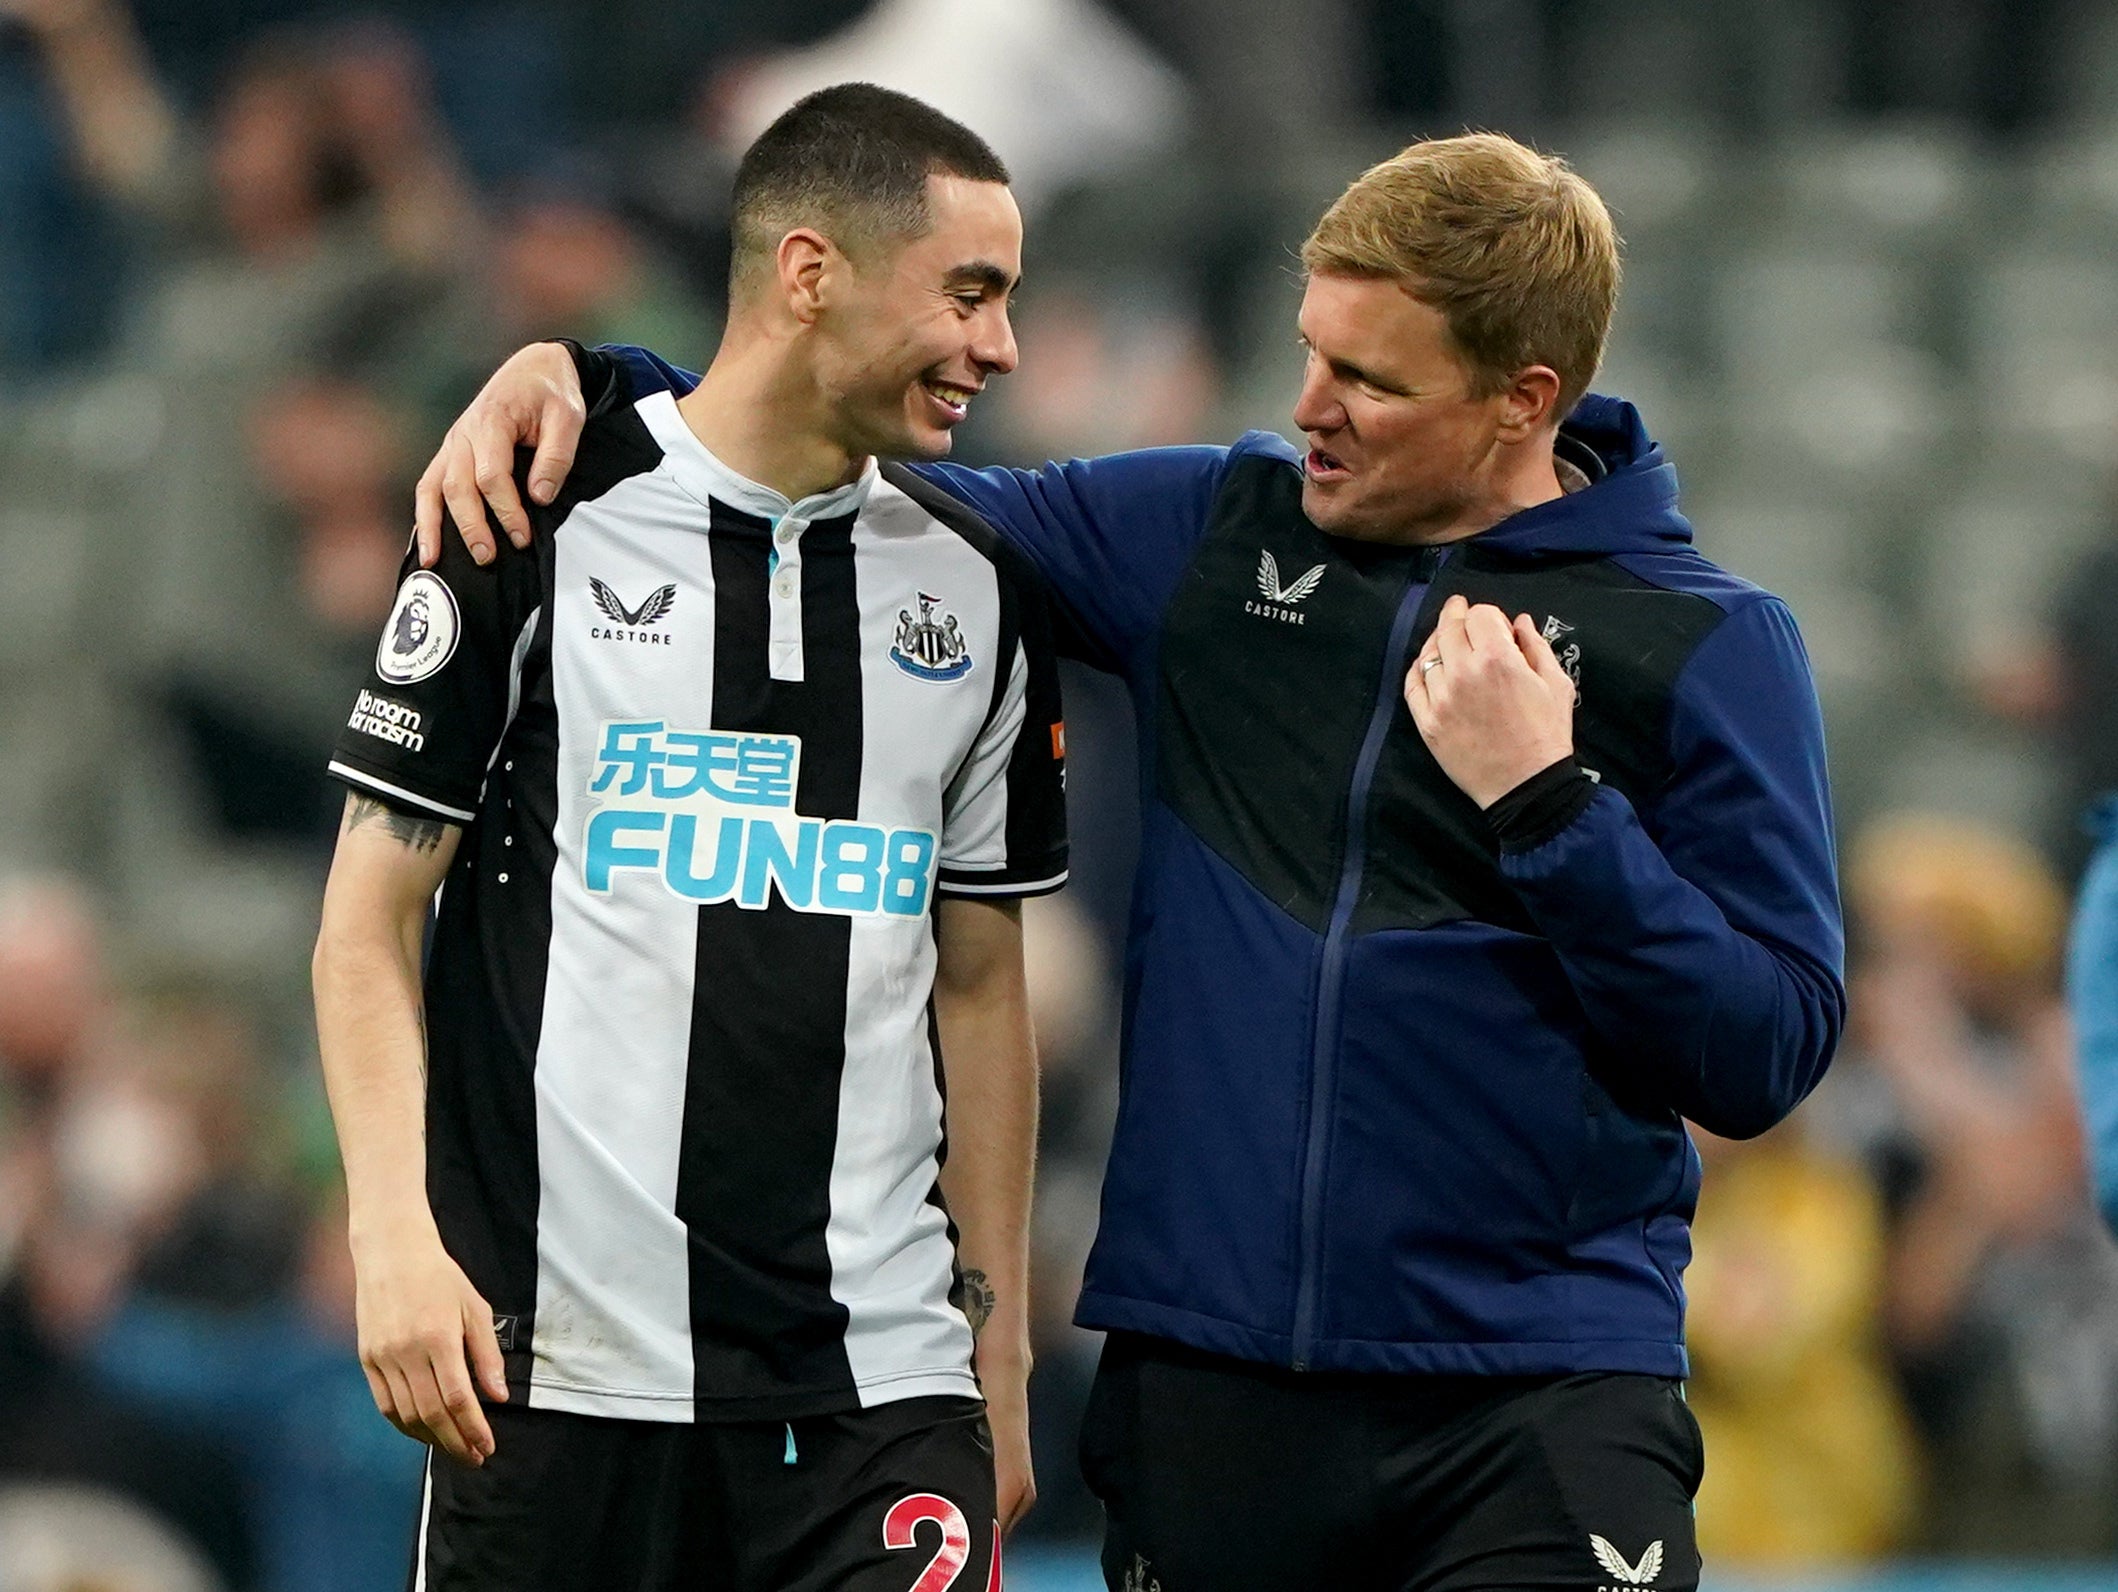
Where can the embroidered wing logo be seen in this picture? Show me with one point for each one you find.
(1269, 581)
(1615, 1565)
(657, 604)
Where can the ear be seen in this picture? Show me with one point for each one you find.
(1529, 403)
(804, 262)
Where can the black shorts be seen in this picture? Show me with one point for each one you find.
(886, 1499)
(1218, 1475)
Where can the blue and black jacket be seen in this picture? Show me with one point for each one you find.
(1396, 1095)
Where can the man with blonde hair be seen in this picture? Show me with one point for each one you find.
(1485, 839)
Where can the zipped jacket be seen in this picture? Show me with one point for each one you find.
(1394, 1098)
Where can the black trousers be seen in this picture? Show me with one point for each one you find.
(874, 1500)
(1220, 1475)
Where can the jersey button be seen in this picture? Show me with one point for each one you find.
(784, 586)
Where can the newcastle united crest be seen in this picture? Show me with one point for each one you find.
(931, 646)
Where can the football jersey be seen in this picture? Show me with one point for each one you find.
(716, 754)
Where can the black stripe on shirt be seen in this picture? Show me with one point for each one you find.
(769, 1016)
(487, 977)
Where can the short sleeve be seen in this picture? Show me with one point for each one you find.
(443, 683)
(1004, 814)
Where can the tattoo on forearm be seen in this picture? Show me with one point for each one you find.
(978, 1300)
(421, 834)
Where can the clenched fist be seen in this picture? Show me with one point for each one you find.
(1490, 699)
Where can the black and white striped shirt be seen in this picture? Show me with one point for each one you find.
(717, 752)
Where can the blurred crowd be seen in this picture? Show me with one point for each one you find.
(254, 254)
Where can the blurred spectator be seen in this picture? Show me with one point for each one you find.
(567, 259)
(238, 1328)
(1811, 1458)
(52, 986)
(331, 453)
(2003, 1290)
(328, 455)
(563, 260)
(302, 226)
(176, 1317)
(60, 1538)
(95, 1166)
(2062, 679)
(1104, 371)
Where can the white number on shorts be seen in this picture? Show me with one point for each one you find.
(900, 1524)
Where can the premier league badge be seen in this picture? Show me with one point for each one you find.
(930, 647)
(421, 635)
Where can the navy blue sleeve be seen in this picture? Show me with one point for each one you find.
(2092, 993)
(1707, 946)
(630, 374)
(1111, 536)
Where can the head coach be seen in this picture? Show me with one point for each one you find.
(1486, 840)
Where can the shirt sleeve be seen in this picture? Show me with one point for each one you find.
(1004, 814)
(613, 375)
(1111, 536)
(1707, 943)
(442, 685)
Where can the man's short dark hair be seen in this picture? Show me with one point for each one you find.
(851, 161)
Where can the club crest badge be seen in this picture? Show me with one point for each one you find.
(1555, 631)
(420, 636)
(930, 647)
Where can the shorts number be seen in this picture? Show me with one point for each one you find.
(902, 1522)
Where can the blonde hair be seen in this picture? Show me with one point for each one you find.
(1985, 898)
(1513, 248)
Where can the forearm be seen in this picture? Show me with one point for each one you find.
(371, 1032)
(990, 1064)
(370, 1022)
(122, 123)
(1941, 1244)
(1731, 1032)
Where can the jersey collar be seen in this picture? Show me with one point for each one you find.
(706, 478)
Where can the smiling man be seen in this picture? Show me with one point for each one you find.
(731, 785)
(1485, 840)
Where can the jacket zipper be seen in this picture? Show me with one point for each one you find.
(1331, 978)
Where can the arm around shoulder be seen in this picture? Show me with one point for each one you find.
(1110, 536)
